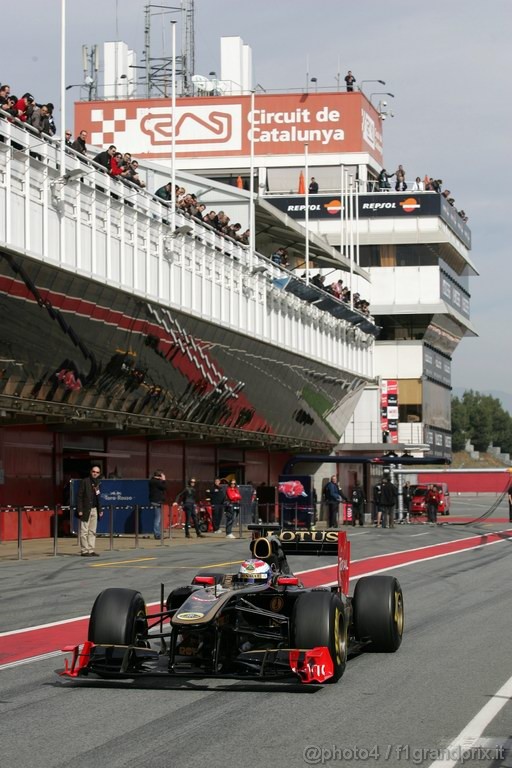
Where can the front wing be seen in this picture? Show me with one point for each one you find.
(115, 661)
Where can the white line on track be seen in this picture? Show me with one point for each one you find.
(469, 736)
(42, 626)
(426, 533)
(477, 545)
(30, 659)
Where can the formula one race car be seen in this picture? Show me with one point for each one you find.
(260, 623)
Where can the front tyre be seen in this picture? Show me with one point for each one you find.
(319, 620)
(118, 617)
(378, 605)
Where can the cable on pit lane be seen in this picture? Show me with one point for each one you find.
(483, 516)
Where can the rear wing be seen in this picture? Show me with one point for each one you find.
(268, 538)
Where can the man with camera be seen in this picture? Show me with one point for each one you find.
(157, 489)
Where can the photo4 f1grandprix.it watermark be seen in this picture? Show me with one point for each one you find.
(315, 754)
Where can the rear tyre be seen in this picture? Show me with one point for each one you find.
(379, 612)
(203, 526)
(319, 619)
(118, 617)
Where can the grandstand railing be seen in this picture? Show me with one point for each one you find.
(114, 231)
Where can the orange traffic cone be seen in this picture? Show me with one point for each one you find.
(302, 184)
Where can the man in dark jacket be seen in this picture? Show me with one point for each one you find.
(388, 500)
(80, 143)
(189, 499)
(333, 495)
(89, 509)
(377, 508)
(217, 500)
(157, 489)
(104, 158)
(406, 499)
(358, 502)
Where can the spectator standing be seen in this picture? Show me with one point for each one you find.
(68, 139)
(217, 500)
(157, 490)
(79, 144)
(400, 185)
(25, 107)
(377, 508)
(313, 186)
(165, 193)
(389, 496)
(40, 120)
(277, 256)
(358, 502)
(232, 505)
(9, 106)
(418, 185)
(384, 178)
(51, 121)
(189, 498)
(432, 503)
(5, 92)
(406, 500)
(318, 281)
(133, 174)
(104, 158)
(88, 506)
(333, 495)
(349, 81)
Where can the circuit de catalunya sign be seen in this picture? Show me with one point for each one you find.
(279, 124)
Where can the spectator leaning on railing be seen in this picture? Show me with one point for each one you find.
(5, 92)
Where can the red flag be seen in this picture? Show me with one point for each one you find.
(302, 184)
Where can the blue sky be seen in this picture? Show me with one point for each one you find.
(447, 63)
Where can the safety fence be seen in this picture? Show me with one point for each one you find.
(54, 530)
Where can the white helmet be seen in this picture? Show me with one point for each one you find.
(254, 572)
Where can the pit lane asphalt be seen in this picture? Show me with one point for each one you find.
(453, 658)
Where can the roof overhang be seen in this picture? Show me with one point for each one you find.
(286, 232)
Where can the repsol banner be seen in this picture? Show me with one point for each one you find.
(378, 205)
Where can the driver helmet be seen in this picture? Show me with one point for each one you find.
(254, 572)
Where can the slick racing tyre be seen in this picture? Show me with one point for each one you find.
(379, 612)
(118, 617)
(319, 619)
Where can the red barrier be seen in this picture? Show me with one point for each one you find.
(35, 523)
(470, 482)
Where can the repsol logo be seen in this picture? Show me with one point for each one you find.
(377, 206)
(298, 208)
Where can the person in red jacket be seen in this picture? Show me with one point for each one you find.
(432, 503)
(233, 499)
(25, 107)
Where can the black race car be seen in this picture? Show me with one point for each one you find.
(268, 627)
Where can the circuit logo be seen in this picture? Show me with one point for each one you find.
(198, 129)
(409, 205)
